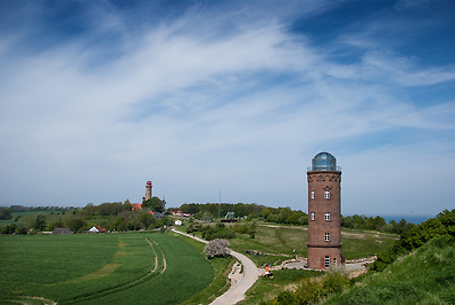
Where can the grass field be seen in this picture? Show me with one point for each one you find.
(280, 241)
(265, 289)
(135, 268)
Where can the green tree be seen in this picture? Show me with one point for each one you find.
(56, 224)
(5, 213)
(155, 204)
(146, 219)
(127, 205)
(76, 224)
(40, 222)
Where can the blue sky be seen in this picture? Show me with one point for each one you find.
(96, 97)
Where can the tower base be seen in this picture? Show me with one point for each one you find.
(323, 258)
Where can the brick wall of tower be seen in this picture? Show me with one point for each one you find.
(318, 247)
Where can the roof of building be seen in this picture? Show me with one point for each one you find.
(62, 231)
(324, 161)
(136, 206)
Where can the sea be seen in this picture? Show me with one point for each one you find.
(415, 219)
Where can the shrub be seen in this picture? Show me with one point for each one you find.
(335, 282)
(217, 247)
(285, 298)
(21, 230)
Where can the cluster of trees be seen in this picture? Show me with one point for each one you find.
(118, 216)
(251, 211)
(208, 211)
(415, 237)
(375, 223)
(155, 204)
(21, 208)
(113, 216)
(5, 213)
(107, 209)
(219, 231)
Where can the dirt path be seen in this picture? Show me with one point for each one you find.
(236, 292)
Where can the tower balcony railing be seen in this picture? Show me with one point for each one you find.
(324, 168)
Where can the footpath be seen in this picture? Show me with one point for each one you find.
(240, 282)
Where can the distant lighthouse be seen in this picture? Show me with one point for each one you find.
(324, 212)
(148, 190)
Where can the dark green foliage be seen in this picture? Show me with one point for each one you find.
(5, 213)
(155, 204)
(415, 237)
(77, 224)
(21, 230)
(57, 224)
(285, 298)
(279, 215)
(249, 228)
(218, 231)
(8, 229)
(40, 222)
(92, 211)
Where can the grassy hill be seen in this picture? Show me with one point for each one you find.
(277, 242)
(426, 276)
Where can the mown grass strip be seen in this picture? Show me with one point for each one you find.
(115, 289)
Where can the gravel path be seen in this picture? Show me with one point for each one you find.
(236, 292)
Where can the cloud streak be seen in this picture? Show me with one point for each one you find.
(242, 105)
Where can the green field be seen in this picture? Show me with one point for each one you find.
(278, 242)
(134, 268)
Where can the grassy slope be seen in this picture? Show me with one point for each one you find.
(220, 284)
(77, 267)
(278, 241)
(426, 276)
(265, 289)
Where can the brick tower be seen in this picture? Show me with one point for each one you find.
(148, 190)
(324, 212)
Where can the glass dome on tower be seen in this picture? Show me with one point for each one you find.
(324, 161)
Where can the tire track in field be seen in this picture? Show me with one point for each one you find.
(22, 300)
(143, 279)
(156, 257)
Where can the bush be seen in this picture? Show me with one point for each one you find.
(21, 230)
(285, 298)
(217, 247)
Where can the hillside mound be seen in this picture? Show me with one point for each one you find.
(426, 276)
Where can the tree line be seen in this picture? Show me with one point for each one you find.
(119, 217)
(113, 216)
(285, 215)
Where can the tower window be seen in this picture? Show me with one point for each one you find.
(312, 215)
(327, 216)
(312, 194)
(327, 236)
(327, 194)
(335, 261)
(327, 261)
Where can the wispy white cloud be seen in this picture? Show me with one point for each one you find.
(244, 111)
